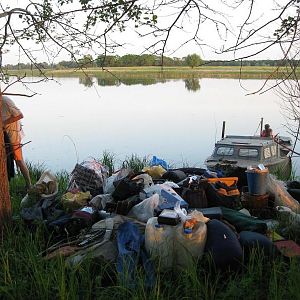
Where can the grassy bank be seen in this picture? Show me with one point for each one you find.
(258, 72)
(25, 274)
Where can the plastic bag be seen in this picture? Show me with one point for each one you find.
(155, 161)
(156, 172)
(46, 188)
(145, 210)
(109, 186)
(181, 212)
(146, 178)
(75, 201)
(282, 197)
(198, 216)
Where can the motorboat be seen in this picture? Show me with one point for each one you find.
(233, 154)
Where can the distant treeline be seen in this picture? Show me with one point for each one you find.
(132, 60)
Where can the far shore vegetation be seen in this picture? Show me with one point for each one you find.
(205, 71)
(150, 66)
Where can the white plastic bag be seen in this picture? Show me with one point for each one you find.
(181, 212)
(109, 183)
(198, 216)
(147, 179)
(282, 197)
(145, 210)
(45, 178)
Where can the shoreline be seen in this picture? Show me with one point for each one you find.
(117, 73)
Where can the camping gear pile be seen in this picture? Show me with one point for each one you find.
(171, 217)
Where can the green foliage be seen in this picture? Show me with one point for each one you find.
(131, 60)
(135, 163)
(288, 26)
(193, 60)
(86, 61)
(107, 61)
(108, 159)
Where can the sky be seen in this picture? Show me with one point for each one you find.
(211, 37)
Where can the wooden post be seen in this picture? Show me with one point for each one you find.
(261, 124)
(5, 205)
(223, 130)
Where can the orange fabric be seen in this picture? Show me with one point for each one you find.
(235, 192)
(17, 150)
(227, 180)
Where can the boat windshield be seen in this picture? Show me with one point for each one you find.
(225, 151)
(248, 152)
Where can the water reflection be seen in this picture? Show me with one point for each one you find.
(86, 81)
(114, 81)
(143, 81)
(192, 84)
(108, 81)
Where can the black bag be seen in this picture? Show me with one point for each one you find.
(174, 175)
(193, 192)
(127, 187)
(123, 207)
(216, 199)
(195, 198)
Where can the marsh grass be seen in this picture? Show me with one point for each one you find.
(109, 160)
(135, 162)
(25, 274)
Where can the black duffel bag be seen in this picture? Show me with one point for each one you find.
(127, 187)
(195, 195)
(216, 199)
(174, 175)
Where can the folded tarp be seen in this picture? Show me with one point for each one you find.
(242, 222)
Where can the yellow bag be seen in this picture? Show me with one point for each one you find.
(75, 201)
(156, 172)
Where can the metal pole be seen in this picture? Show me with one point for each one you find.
(223, 130)
(261, 124)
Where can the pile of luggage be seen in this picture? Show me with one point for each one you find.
(171, 217)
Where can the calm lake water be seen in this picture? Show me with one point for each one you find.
(178, 120)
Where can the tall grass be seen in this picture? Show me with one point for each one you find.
(109, 160)
(26, 275)
(135, 163)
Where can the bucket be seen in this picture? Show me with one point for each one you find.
(257, 181)
(250, 201)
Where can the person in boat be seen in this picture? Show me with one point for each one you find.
(267, 132)
(11, 116)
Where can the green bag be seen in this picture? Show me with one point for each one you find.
(242, 222)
